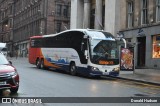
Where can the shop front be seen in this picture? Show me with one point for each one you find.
(156, 47)
(146, 42)
(22, 50)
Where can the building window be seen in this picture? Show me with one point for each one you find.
(144, 13)
(58, 27)
(92, 18)
(158, 10)
(156, 46)
(58, 9)
(65, 11)
(130, 14)
(11, 23)
(128, 39)
(3, 15)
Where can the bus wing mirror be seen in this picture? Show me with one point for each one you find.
(122, 39)
(10, 62)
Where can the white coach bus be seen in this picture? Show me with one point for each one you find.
(84, 51)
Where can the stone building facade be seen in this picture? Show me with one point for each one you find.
(95, 14)
(138, 21)
(140, 24)
(6, 22)
(36, 17)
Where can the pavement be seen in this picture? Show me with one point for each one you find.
(149, 76)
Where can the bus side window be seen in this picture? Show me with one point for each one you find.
(36, 43)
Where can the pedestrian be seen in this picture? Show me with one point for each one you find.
(16, 53)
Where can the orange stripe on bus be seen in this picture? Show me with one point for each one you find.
(50, 64)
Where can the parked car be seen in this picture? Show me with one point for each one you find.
(9, 78)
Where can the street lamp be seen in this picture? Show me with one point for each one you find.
(6, 27)
(4, 31)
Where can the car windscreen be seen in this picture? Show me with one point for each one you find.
(3, 60)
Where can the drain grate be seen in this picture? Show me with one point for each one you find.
(142, 95)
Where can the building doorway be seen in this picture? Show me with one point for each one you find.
(141, 52)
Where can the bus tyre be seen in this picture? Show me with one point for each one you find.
(38, 63)
(73, 69)
(42, 64)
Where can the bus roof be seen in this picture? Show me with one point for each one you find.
(38, 36)
(96, 34)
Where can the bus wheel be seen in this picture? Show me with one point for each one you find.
(73, 69)
(38, 63)
(42, 64)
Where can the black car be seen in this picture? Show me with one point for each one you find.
(9, 78)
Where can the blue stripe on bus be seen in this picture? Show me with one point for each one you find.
(87, 71)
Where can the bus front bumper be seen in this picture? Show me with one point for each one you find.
(112, 73)
(96, 72)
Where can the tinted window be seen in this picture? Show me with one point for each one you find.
(36, 43)
(72, 39)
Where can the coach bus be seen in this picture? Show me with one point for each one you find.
(77, 51)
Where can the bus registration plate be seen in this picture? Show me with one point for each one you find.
(105, 73)
(106, 67)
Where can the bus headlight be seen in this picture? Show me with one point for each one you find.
(94, 69)
(116, 69)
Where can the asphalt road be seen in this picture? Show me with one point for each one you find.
(49, 83)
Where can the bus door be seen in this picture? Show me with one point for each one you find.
(84, 49)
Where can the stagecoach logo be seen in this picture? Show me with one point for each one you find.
(74, 56)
